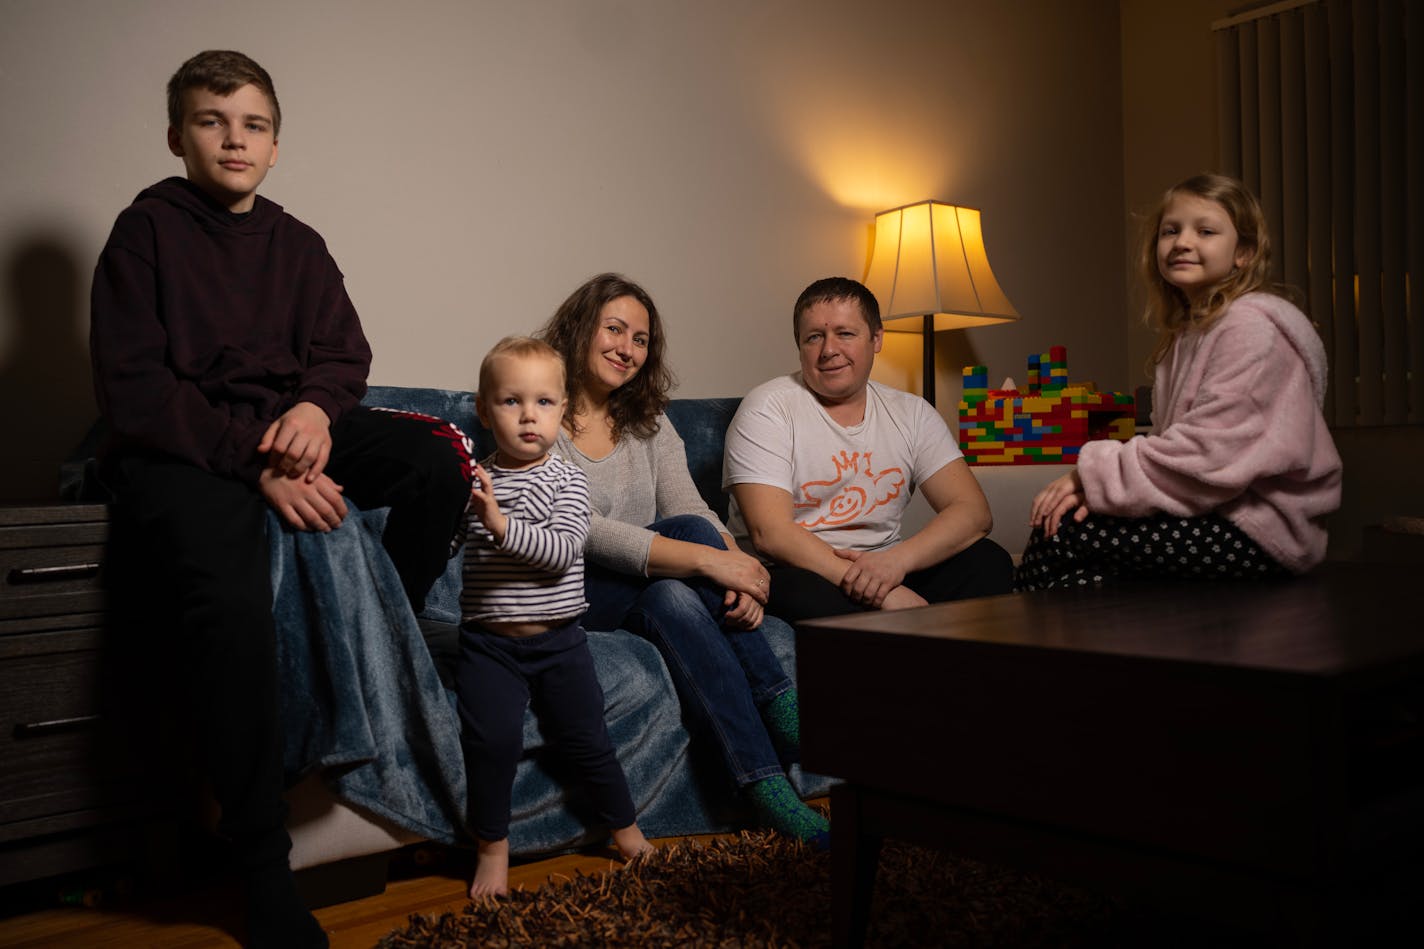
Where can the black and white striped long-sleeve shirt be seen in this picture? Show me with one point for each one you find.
(536, 575)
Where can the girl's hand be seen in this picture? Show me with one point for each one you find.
(483, 505)
(1062, 495)
(743, 612)
(738, 572)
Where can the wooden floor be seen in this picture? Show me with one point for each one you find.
(211, 917)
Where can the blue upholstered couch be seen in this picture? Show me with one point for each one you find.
(379, 762)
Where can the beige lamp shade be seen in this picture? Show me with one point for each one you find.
(929, 260)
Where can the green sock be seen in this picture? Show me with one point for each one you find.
(783, 719)
(783, 811)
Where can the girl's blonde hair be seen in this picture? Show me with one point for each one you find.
(1168, 309)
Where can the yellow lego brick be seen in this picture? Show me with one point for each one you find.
(1080, 413)
(1122, 429)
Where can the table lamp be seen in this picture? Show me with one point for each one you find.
(929, 265)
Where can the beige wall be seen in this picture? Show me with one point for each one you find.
(471, 162)
(1168, 120)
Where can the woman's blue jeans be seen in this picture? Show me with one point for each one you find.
(723, 676)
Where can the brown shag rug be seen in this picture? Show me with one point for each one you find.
(762, 889)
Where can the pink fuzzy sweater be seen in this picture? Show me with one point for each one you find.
(1237, 429)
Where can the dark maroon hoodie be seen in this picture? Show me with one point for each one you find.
(207, 325)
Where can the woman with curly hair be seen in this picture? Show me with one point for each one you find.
(659, 562)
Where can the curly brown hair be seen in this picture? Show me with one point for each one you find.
(634, 406)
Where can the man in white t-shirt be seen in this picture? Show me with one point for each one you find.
(822, 463)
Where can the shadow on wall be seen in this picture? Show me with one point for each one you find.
(45, 388)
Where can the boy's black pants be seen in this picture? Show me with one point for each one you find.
(196, 544)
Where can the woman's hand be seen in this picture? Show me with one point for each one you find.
(738, 572)
(1062, 495)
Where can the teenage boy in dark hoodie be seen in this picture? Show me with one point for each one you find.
(229, 363)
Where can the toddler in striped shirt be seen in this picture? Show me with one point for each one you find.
(520, 638)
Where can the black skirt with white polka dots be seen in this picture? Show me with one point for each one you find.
(1103, 549)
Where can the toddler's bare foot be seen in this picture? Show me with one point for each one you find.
(631, 842)
(491, 870)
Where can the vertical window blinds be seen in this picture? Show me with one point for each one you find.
(1321, 110)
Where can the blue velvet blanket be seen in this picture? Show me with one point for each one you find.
(366, 701)
(361, 697)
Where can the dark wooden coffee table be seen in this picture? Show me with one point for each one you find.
(1252, 752)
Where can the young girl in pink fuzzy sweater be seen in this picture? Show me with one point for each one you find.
(1240, 469)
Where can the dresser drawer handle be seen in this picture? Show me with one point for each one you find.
(36, 729)
(69, 571)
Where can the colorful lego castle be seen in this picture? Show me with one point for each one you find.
(1045, 425)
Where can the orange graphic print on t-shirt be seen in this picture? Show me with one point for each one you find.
(853, 492)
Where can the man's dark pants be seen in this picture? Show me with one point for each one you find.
(981, 569)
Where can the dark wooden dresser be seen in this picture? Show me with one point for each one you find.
(72, 791)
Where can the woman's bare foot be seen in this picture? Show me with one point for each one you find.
(631, 842)
(492, 869)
